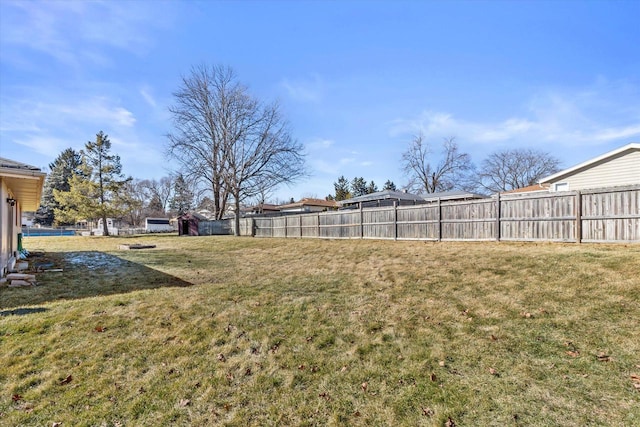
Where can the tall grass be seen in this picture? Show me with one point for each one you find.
(241, 331)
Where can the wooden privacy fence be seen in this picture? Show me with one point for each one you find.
(604, 215)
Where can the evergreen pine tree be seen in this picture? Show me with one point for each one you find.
(182, 200)
(61, 170)
(389, 185)
(342, 189)
(96, 192)
(358, 187)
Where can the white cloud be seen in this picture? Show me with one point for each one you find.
(319, 144)
(73, 32)
(604, 113)
(43, 144)
(305, 90)
(46, 116)
(145, 92)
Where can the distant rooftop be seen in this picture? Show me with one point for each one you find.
(382, 195)
(310, 202)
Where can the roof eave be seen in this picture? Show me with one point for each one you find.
(629, 147)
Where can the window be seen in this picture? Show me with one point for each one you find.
(561, 186)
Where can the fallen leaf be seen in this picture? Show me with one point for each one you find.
(427, 412)
(344, 369)
(449, 423)
(356, 414)
(185, 402)
(16, 397)
(433, 377)
(493, 371)
(301, 367)
(100, 328)
(314, 369)
(441, 363)
(635, 378)
(494, 338)
(247, 372)
(221, 357)
(56, 424)
(67, 380)
(603, 357)
(526, 315)
(364, 386)
(575, 353)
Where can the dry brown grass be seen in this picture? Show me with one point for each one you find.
(240, 331)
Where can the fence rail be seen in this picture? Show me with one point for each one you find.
(603, 215)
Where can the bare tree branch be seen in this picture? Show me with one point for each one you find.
(515, 168)
(426, 177)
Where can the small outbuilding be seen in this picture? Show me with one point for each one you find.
(188, 223)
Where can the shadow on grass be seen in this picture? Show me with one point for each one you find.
(84, 275)
(22, 311)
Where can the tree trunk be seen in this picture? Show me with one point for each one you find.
(105, 227)
(237, 215)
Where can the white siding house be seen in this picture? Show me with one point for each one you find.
(20, 191)
(616, 168)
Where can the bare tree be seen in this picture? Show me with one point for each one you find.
(515, 168)
(203, 115)
(161, 191)
(427, 176)
(230, 140)
(261, 154)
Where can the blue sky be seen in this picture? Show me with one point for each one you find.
(356, 79)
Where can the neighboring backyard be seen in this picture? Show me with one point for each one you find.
(241, 331)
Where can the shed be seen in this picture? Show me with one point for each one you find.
(188, 223)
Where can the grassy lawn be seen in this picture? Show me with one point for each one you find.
(240, 331)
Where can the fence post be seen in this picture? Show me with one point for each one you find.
(285, 226)
(361, 222)
(300, 222)
(578, 217)
(498, 217)
(439, 219)
(395, 220)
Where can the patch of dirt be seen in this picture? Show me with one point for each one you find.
(93, 260)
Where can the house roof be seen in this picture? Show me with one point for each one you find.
(452, 195)
(25, 182)
(381, 195)
(310, 202)
(634, 146)
(528, 189)
(189, 215)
